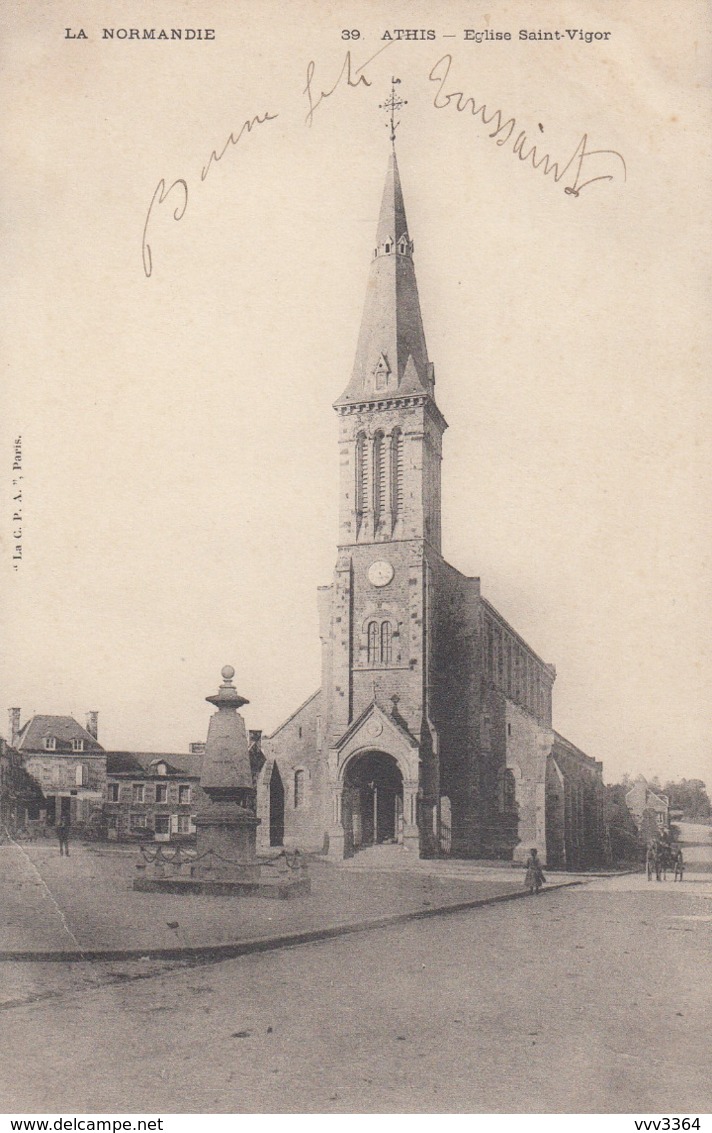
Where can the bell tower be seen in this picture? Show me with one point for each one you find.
(376, 616)
(390, 426)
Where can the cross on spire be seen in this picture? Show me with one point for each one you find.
(392, 104)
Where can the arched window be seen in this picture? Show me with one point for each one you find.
(361, 474)
(299, 777)
(372, 633)
(386, 643)
(379, 476)
(397, 473)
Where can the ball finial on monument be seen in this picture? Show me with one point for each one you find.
(227, 697)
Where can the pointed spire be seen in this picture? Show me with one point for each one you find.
(391, 356)
(392, 221)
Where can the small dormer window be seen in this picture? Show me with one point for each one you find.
(382, 372)
(50, 743)
(162, 769)
(387, 247)
(403, 245)
(77, 745)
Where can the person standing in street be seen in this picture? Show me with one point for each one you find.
(63, 835)
(679, 865)
(535, 877)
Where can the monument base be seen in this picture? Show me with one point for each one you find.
(278, 888)
(181, 872)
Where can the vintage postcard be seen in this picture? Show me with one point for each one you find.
(355, 384)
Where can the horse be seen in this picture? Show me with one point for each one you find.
(665, 862)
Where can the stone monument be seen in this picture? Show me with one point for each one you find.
(227, 826)
(225, 861)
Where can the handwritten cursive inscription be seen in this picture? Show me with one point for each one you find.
(180, 185)
(178, 213)
(352, 77)
(504, 128)
(234, 139)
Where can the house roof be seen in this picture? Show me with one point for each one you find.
(143, 764)
(63, 729)
(648, 796)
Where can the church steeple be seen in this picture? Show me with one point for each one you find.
(391, 428)
(391, 356)
(392, 219)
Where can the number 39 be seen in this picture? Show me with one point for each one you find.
(353, 34)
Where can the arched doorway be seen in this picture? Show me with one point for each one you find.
(276, 808)
(373, 800)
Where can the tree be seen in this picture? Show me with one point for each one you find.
(623, 835)
(690, 797)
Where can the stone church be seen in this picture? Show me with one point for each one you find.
(432, 728)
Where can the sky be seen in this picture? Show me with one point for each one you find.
(179, 456)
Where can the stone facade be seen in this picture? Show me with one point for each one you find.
(433, 724)
(20, 794)
(649, 809)
(152, 796)
(67, 761)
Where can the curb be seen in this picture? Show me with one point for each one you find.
(207, 952)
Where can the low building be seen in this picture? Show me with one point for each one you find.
(20, 794)
(576, 819)
(152, 796)
(649, 809)
(67, 761)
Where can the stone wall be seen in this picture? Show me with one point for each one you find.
(528, 746)
(298, 751)
(129, 819)
(79, 777)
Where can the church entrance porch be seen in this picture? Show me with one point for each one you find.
(372, 806)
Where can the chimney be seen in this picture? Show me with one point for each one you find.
(14, 715)
(93, 724)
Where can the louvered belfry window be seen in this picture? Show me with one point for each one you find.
(397, 473)
(379, 476)
(361, 474)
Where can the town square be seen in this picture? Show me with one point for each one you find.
(355, 747)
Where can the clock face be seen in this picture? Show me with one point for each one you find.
(380, 573)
